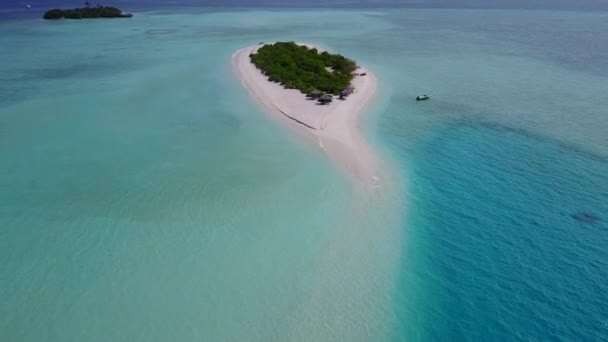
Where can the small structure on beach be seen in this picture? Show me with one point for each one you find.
(325, 99)
(346, 92)
(315, 94)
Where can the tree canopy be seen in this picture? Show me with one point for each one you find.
(86, 12)
(299, 67)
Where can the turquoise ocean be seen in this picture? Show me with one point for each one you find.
(145, 197)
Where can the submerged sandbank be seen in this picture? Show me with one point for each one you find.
(357, 266)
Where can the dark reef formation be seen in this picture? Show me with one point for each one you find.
(585, 217)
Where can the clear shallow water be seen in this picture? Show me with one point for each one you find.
(143, 199)
(146, 197)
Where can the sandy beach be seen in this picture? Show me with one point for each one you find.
(334, 128)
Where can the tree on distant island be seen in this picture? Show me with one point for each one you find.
(303, 68)
(86, 12)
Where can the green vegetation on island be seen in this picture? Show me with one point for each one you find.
(299, 67)
(86, 12)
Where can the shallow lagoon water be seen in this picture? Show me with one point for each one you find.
(146, 197)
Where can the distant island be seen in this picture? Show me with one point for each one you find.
(86, 12)
(300, 67)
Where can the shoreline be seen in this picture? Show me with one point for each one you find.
(334, 128)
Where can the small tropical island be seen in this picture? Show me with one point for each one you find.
(277, 75)
(319, 75)
(86, 12)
